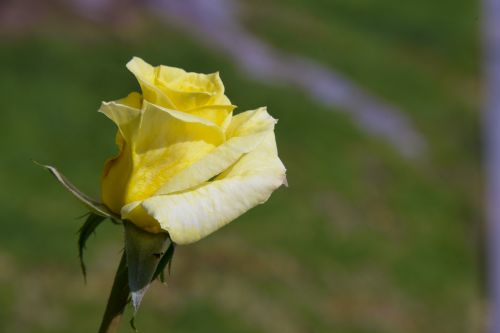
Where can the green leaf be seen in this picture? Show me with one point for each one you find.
(88, 228)
(165, 261)
(94, 205)
(144, 251)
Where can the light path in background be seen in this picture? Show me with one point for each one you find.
(216, 24)
(491, 128)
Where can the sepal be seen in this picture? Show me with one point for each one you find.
(88, 228)
(94, 205)
(165, 262)
(144, 252)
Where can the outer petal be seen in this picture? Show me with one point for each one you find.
(165, 143)
(217, 114)
(247, 131)
(125, 113)
(192, 215)
(117, 169)
(115, 175)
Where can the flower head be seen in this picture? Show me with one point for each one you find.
(186, 164)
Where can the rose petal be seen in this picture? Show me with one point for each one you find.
(164, 143)
(146, 76)
(183, 116)
(124, 113)
(248, 129)
(192, 215)
(188, 90)
(177, 89)
(218, 114)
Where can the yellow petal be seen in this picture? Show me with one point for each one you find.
(114, 179)
(188, 90)
(192, 92)
(248, 129)
(146, 75)
(184, 116)
(135, 213)
(125, 113)
(218, 114)
(164, 143)
(182, 81)
(161, 127)
(134, 100)
(127, 118)
(250, 122)
(174, 88)
(191, 215)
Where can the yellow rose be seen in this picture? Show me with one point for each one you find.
(186, 165)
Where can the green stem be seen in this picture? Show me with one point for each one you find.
(118, 299)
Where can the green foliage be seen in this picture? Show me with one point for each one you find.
(165, 262)
(88, 228)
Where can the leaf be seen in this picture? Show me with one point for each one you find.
(144, 251)
(88, 228)
(94, 205)
(118, 298)
(166, 260)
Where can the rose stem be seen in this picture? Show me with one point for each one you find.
(118, 299)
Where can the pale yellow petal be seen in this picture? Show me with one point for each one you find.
(124, 114)
(181, 81)
(221, 99)
(167, 142)
(218, 114)
(186, 90)
(168, 74)
(146, 76)
(192, 215)
(114, 179)
(226, 122)
(249, 122)
(161, 127)
(189, 91)
(134, 100)
(251, 126)
(137, 214)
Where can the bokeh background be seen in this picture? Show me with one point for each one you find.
(380, 230)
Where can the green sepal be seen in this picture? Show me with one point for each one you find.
(94, 205)
(144, 252)
(88, 228)
(165, 261)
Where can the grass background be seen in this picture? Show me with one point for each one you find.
(363, 240)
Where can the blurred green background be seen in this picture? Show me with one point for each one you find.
(363, 240)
